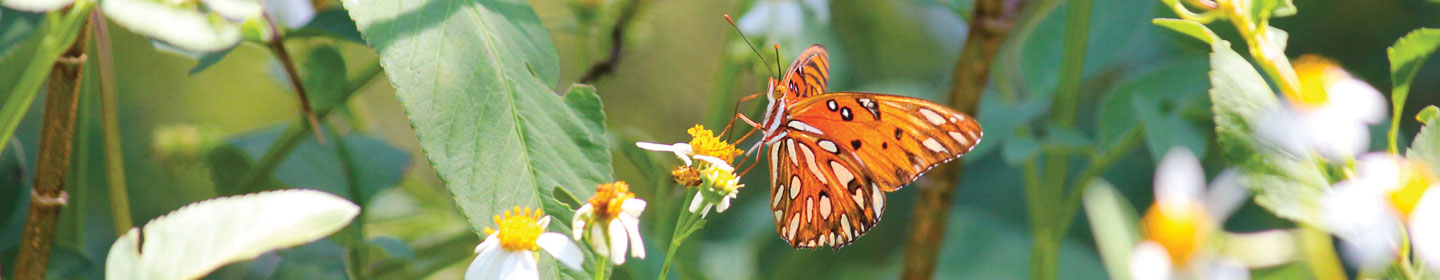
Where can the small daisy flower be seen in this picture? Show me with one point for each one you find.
(704, 146)
(1330, 115)
(1386, 194)
(718, 186)
(509, 252)
(611, 222)
(1182, 218)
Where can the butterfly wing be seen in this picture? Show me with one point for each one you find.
(841, 152)
(809, 75)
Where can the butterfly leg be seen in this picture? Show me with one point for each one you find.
(738, 115)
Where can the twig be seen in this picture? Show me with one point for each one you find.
(277, 44)
(990, 26)
(56, 135)
(109, 113)
(617, 40)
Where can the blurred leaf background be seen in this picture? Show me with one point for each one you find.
(681, 65)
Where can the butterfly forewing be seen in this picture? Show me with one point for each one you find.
(809, 75)
(894, 138)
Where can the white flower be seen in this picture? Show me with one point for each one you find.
(1331, 115)
(719, 186)
(1181, 219)
(611, 222)
(509, 253)
(1369, 210)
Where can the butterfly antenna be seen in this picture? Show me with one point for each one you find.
(777, 60)
(748, 44)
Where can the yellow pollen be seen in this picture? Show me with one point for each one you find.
(1415, 178)
(607, 200)
(1178, 228)
(1315, 74)
(722, 180)
(518, 229)
(704, 142)
(686, 175)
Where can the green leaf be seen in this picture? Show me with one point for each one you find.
(325, 78)
(1406, 57)
(1427, 113)
(1164, 130)
(15, 27)
(189, 243)
(1115, 225)
(1288, 185)
(1020, 148)
(1266, 9)
(36, 5)
(1174, 82)
(203, 60)
(475, 79)
(188, 29)
(323, 259)
(1426, 146)
(33, 61)
(311, 165)
(330, 22)
(1188, 27)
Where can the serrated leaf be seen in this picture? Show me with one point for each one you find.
(189, 29)
(475, 79)
(1188, 27)
(1288, 185)
(196, 239)
(1426, 146)
(1115, 224)
(1427, 113)
(1406, 57)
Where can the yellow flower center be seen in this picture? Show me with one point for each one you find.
(704, 142)
(608, 198)
(518, 229)
(1415, 178)
(1178, 228)
(1315, 74)
(686, 175)
(724, 181)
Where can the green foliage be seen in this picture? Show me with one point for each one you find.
(1426, 146)
(56, 36)
(316, 166)
(1406, 57)
(324, 78)
(187, 244)
(1187, 27)
(184, 27)
(1114, 222)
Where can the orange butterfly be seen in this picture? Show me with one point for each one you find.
(833, 156)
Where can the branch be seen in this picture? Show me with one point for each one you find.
(617, 40)
(277, 44)
(110, 121)
(990, 26)
(56, 134)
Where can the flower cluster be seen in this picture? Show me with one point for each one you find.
(1183, 219)
(610, 222)
(1330, 115)
(707, 164)
(1372, 211)
(509, 252)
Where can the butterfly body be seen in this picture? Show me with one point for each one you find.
(833, 156)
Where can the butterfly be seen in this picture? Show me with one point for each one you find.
(834, 155)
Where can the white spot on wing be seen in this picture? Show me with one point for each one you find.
(802, 126)
(777, 215)
(825, 207)
(934, 118)
(878, 198)
(845, 224)
(794, 186)
(790, 146)
(935, 146)
(830, 146)
(842, 173)
(794, 225)
(779, 193)
(814, 168)
(960, 138)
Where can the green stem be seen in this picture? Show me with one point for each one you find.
(287, 142)
(110, 122)
(277, 44)
(683, 227)
(1049, 228)
(600, 266)
(58, 33)
(1320, 254)
(356, 260)
(1072, 63)
(1132, 138)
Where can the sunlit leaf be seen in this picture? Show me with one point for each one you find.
(1187, 27)
(1265, 9)
(475, 79)
(198, 238)
(1406, 57)
(36, 5)
(1426, 146)
(189, 29)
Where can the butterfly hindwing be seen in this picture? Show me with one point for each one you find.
(816, 199)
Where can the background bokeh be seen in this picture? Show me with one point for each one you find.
(681, 64)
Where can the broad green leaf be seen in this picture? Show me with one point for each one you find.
(324, 78)
(196, 239)
(1427, 113)
(475, 79)
(323, 259)
(331, 22)
(36, 5)
(1115, 224)
(311, 165)
(1406, 57)
(1188, 27)
(189, 29)
(1165, 130)
(1288, 185)
(1426, 146)
(1175, 82)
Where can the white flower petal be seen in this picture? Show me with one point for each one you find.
(1227, 193)
(618, 242)
(1353, 98)
(563, 249)
(717, 162)
(487, 259)
(490, 242)
(1379, 171)
(695, 203)
(1226, 269)
(597, 240)
(633, 206)
(1362, 218)
(681, 150)
(724, 204)
(577, 224)
(1336, 138)
(520, 266)
(577, 230)
(1284, 129)
(1179, 178)
(706, 212)
(544, 222)
(632, 226)
(1150, 261)
(1425, 228)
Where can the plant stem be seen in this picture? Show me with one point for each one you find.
(1320, 254)
(110, 122)
(601, 265)
(56, 136)
(617, 40)
(277, 44)
(1049, 228)
(991, 24)
(356, 258)
(684, 225)
(1258, 37)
